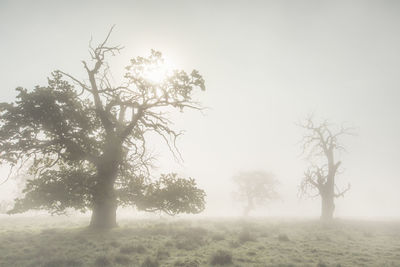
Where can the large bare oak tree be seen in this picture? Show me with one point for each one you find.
(322, 143)
(87, 139)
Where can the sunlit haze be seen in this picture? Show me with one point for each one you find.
(267, 65)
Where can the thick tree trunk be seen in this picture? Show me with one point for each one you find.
(104, 213)
(328, 193)
(104, 216)
(327, 207)
(246, 211)
(249, 207)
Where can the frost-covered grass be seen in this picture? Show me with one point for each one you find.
(204, 242)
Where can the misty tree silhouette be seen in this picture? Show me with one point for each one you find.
(86, 139)
(255, 188)
(321, 143)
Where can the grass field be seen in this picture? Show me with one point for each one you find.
(58, 242)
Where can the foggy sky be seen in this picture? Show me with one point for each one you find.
(267, 65)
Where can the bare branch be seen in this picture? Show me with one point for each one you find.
(341, 193)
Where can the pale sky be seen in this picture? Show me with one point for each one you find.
(267, 65)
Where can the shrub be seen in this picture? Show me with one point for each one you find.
(191, 238)
(149, 262)
(132, 249)
(218, 237)
(123, 260)
(251, 253)
(114, 244)
(169, 243)
(62, 263)
(221, 257)
(234, 244)
(190, 241)
(102, 261)
(192, 232)
(283, 237)
(49, 231)
(368, 234)
(159, 229)
(187, 263)
(245, 236)
(162, 254)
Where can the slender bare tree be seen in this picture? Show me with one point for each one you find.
(321, 144)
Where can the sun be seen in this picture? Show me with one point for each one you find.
(158, 73)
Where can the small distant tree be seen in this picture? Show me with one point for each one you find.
(321, 143)
(86, 138)
(255, 189)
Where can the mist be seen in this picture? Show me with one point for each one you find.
(267, 67)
